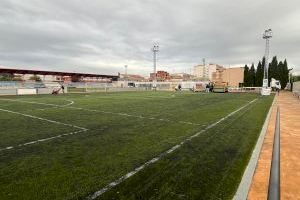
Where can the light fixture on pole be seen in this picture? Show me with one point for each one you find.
(265, 90)
(155, 49)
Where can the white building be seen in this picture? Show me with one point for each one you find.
(206, 72)
(26, 77)
(199, 71)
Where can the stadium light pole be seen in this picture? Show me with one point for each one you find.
(203, 61)
(290, 80)
(126, 83)
(265, 87)
(154, 49)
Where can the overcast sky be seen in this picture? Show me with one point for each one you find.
(101, 36)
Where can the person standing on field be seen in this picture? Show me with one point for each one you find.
(179, 87)
(62, 89)
(207, 88)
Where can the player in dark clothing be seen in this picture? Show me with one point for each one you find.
(179, 87)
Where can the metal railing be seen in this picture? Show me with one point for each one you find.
(274, 181)
(245, 89)
(21, 84)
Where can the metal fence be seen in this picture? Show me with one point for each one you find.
(245, 89)
(21, 84)
(296, 89)
(28, 87)
(6, 86)
(274, 181)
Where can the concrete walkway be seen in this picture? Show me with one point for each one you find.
(290, 151)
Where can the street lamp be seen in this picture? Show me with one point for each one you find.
(290, 81)
(126, 80)
(154, 49)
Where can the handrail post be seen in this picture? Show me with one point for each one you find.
(274, 181)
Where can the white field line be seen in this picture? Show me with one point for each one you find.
(135, 116)
(34, 102)
(171, 96)
(105, 112)
(245, 183)
(153, 160)
(59, 106)
(43, 119)
(71, 102)
(135, 97)
(43, 140)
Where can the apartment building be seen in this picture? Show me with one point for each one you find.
(233, 76)
(206, 71)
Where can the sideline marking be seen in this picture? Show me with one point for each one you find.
(247, 178)
(105, 112)
(155, 159)
(43, 140)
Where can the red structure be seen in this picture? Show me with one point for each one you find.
(56, 73)
(160, 76)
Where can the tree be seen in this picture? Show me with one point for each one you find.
(251, 75)
(278, 71)
(246, 76)
(5, 77)
(259, 74)
(284, 74)
(35, 78)
(9, 77)
(263, 63)
(17, 79)
(273, 69)
(295, 78)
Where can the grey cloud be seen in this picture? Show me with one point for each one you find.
(102, 36)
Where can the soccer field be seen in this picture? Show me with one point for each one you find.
(127, 145)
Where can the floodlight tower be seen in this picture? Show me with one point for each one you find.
(204, 68)
(126, 81)
(265, 87)
(155, 49)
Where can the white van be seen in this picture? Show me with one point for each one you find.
(275, 84)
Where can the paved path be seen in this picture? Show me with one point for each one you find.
(290, 151)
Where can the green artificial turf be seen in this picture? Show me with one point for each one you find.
(75, 166)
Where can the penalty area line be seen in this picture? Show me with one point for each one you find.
(105, 112)
(42, 140)
(135, 116)
(160, 156)
(57, 106)
(43, 119)
(46, 104)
